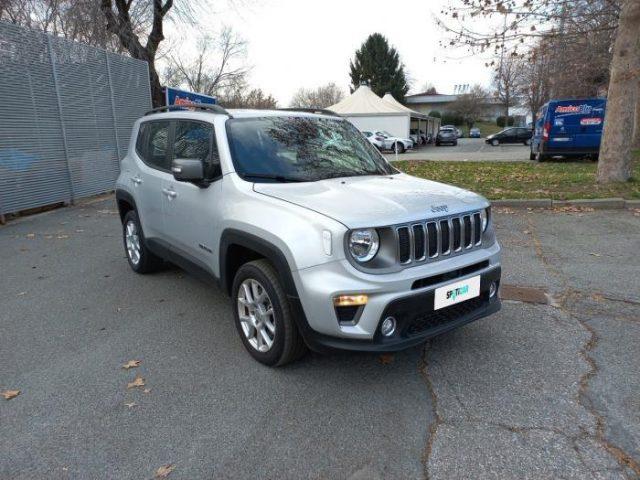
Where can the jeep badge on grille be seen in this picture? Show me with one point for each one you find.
(439, 208)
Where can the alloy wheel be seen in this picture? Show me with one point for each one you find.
(256, 314)
(132, 241)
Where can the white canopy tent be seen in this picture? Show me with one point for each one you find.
(369, 112)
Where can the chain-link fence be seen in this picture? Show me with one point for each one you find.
(65, 117)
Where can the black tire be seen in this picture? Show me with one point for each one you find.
(437, 143)
(455, 144)
(532, 156)
(398, 147)
(288, 344)
(148, 261)
(527, 142)
(540, 157)
(495, 142)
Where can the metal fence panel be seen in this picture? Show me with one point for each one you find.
(65, 119)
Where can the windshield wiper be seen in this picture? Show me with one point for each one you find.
(269, 176)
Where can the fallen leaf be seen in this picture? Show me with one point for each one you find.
(598, 297)
(386, 358)
(131, 404)
(137, 382)
(131, 364)
(9, 394)
(63, 236)
(48, 237)
(31, 235)
(79, 230)
(595, 254)
(527, 232)
(146, 390)
(23, 249)
(165, 470)
(22, 293)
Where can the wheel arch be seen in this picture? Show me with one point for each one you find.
(238, 247)
(125, 203)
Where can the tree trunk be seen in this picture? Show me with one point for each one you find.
(157, 97)
(615, 151)
(636, 130)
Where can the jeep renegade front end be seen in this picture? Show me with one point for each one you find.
(318, 240)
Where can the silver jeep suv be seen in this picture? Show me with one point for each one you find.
(319, 241)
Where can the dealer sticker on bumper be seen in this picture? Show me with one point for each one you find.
(457, 292)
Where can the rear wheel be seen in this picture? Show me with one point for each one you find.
(398, 147)
(263, 315)
(540, 157)
(140, 258)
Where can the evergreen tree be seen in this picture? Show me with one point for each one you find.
(379, 65)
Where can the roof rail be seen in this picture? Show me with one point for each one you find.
(322, 111)
(198, 106)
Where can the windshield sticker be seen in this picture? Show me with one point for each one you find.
(558, 122)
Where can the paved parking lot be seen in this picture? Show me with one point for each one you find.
(468, 149)
(536, 391)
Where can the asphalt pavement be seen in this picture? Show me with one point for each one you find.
(535, 391)
(468, 150)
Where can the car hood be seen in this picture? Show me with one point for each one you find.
(372, 201)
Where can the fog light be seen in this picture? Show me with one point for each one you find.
(350, 300)
(493, 288)
(388, 326)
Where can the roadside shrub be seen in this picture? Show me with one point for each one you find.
(449, 118)
(435, 113)
(500, 121)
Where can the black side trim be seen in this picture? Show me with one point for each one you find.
(182, 259)
(123, 195)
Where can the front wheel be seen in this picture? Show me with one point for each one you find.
(495, 142)
(263, 315)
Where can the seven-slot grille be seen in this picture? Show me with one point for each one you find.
(428, 240)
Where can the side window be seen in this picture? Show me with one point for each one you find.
(156, 144)
(140, 141)
(196, 140)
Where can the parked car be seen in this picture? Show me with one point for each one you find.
(319, 241)
(474, 133)
(510, 135)
(376, 140)
(396, 144)
(447, 135)
(459, 133)
(418, 137)
(568, 128)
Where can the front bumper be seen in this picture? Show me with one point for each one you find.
(400, 295)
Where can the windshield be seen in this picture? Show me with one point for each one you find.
(301, 149)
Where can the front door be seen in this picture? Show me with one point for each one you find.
(190, 209)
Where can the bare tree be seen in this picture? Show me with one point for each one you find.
(533, 83)
(218, 65)
(428, 88)
(241, 96)
(321, 97)
(615, 152)
(469, 106)
(505, 83)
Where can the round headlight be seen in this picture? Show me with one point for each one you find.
(484, 218)
(363, 244)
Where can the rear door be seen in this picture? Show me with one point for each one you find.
(152, 162)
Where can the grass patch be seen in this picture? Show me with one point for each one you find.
(559, 180)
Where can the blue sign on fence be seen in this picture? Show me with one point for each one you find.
(173, 96)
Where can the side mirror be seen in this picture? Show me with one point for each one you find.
(187, 170)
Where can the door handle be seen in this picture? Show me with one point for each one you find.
(137, 180)
(169, 193)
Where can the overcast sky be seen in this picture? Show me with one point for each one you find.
(297, 43)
